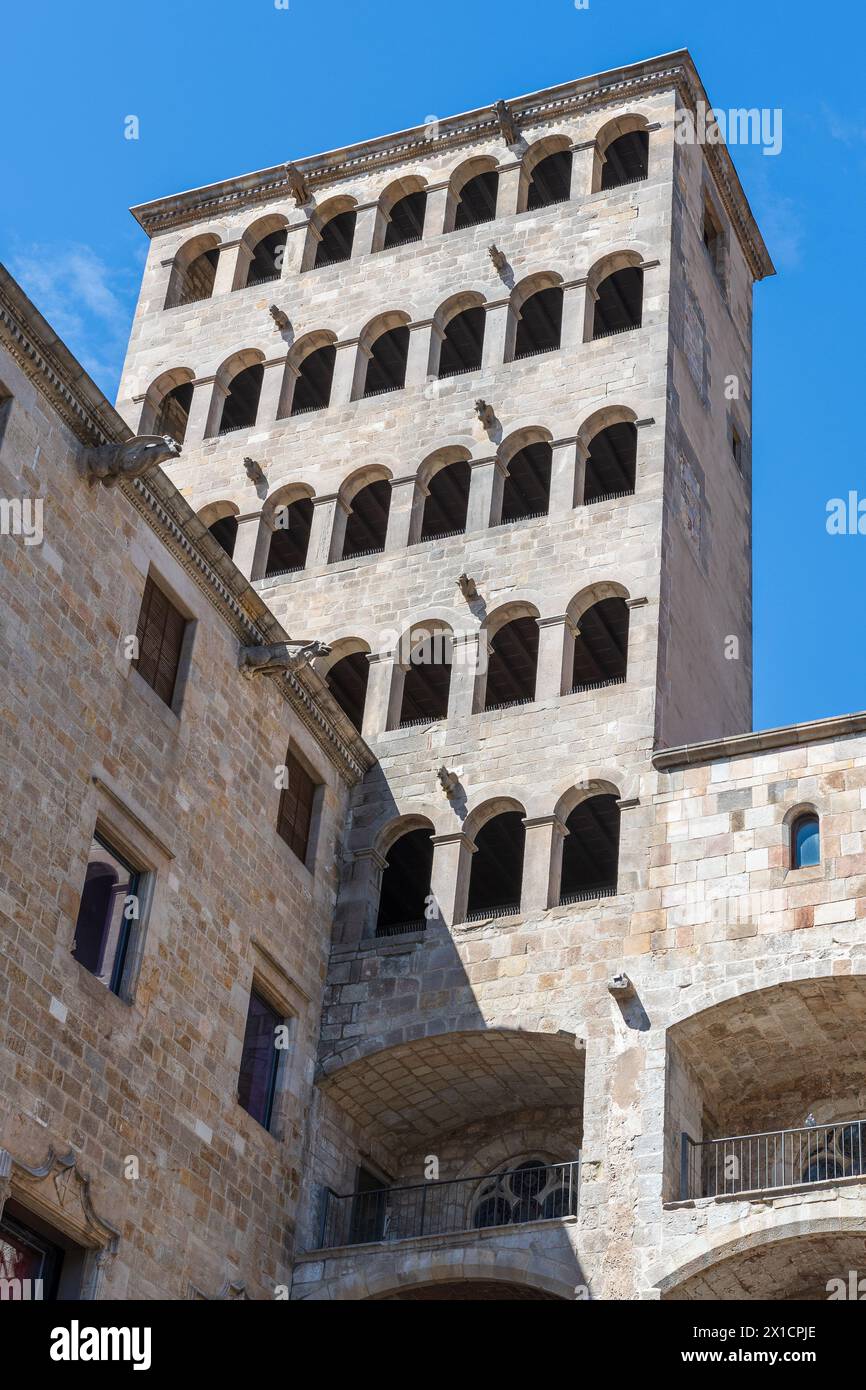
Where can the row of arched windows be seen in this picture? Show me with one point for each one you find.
(402, 213)
(454, 345)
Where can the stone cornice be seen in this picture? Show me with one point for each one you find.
(762, 741)
(671, 71)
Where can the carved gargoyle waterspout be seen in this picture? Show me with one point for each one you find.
(279, 657)
(134, 457)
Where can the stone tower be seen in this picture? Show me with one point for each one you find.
(471, 404)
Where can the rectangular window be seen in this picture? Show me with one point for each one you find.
(296, 807)
(714, 240)
(5, 409)
(109, 908)
(160, 634)
(37, 1262)
(736, 447)
(257, 1083)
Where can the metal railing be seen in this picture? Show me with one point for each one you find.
(382, 391)
(775, 1159)
(596, 685)
(608, 496)
(534, 352)
(510, 521)
(306, 409)
(481, 914)
(517, 1197)
(509, 704)
(418, 719)
(323, 261)
(278, 574)
(449, 372)
(612, 332)
(233, 429)
(588, 895)
(441, 536)
(263, 279)
(400, 928)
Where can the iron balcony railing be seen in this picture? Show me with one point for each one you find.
(402, 928)
(588, 895)
(482, 914)
(516, 1197)
(779, 1158)
(608, 496)
(612, 332)
(597, 685)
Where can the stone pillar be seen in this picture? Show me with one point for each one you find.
(542, 863)
(296, 246)
(567, 468)
(205, 409)
(508, 190)
(497, 325)
(573, 313)
(366, 220)
(555, 656)
(583, 164)
(381, 695)
(449, 879)
(232, 264)
(350, 366)
(469, 651)
(401, 512)
(418, 360)
(156, 283)
(273, 383)
(327, 530)
(486, 482)
(252, 544)
(359, 896)
(434, 214)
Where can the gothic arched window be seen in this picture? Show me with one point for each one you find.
(533, 1191)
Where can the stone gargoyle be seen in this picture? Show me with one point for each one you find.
(283, 657)
(141, 454)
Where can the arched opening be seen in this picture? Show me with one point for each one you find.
(241, 404)
(266, 262)
(173, 414)
(406, 221)
(512, 664)
(626, 159)
(469, 1291)
(313, 383)
(611, 465)
(619, 305)
(805, 841)
(526, 492)
(347, 681)
(290, 537)
(590, 851)
(447, 502)
(405, 891)
(367, 524)
(386, 365)
(534, 1190)
(477, 200)
(496, 872)
(338, 235)
(427, 678)
(539, 328)
(601, 648)
(225, 533)
(194, 272)
(463, 343)
(550, 181)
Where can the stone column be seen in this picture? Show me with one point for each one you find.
(542, 863)
(252, 544)
(381, 695)
(205, 409)
(583, 163)
(573, 313)
(449, 879)
(508, 189)
(567, 468)
(401, 512)
(497, 325)
(294, 254)
(359, 895)
(156, 283)
(418, 360)
(555, 656)
(271, 395)
(232, 264)
(350, 366)
(327, 530)
(434, 214)
(486, 482)
(367, 217)
(469, 651)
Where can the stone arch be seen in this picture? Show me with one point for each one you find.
(248, 365)
(393, 324)
(555, 145)
(306, 381)
(220, 518)
(408, 186)
(345, 671)
(492, 806)
(441, 496)
(286, 523)
(157, 414)
(592, 594)
(263, 247)
(535, 317)
(509, 638)
(452, 352)
(406, 849)
(439, 1266)
(322, 248)
(421, 677)
(629, 124)
(614, 292)
(470, 169)
(497, 834)
(193, 270)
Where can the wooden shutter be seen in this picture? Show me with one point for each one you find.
(160, 639)
(296, 808)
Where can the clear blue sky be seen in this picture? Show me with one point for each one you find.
(226, 86)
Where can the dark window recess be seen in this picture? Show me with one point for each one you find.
(295, 815)
(267, 260)
(386, 367)
(241, 405)
(736, 447)
(196, 281)
(527, 487)
(368, 1208)
(805, 842)
(405, 883)
(590, 850)
(620, 302)
(477, 200)
(713, 239)
(463, 343)
(539, 328)
(612, 462)
(447, 503)
(337, 238)
(407, 220)
(313, 385)
(5, 409)
(160, 635)
(347, 682)
(225, 533)
(626, 159)
(428, 680)
(30, 1258)
(496, 874)
(290, 538)
(367, 524)
(173, 416)
(107, 912)
(601, 649)
(551, 181)
(257, 1082)
(512, 663)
